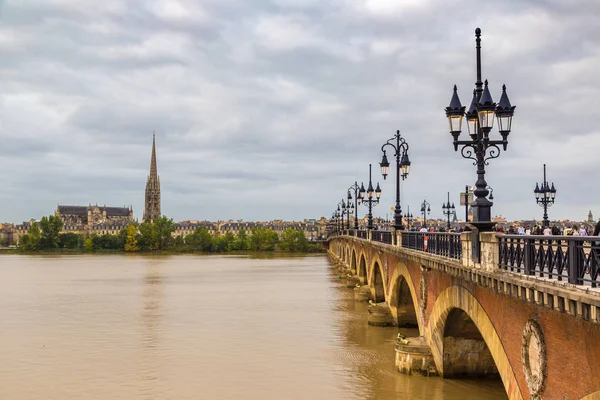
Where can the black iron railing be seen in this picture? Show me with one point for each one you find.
(382, 236)
(575, 259)
(439, 243)
(361, 234)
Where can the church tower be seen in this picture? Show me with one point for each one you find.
(152, 202)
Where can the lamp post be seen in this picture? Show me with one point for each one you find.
(448, 210)
(468, 194)
(480, 148)
(349, 209)
(402, 169)
(370, 199)
(425, 209)
(341, 211)
(408, 216)
(354, 188)
(544, 197)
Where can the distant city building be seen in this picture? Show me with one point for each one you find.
(84, 217)
(152, 200)
(590, 217)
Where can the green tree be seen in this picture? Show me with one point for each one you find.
(293, 240)
(70, 241)
(241, 241)
(229, 240)
(31, 241)
(144, 239)
(89, 243)
(301, 241)
(178, 243)
(219, 244)
(263, 239)
(131, 243)
(162, 229)
(51, 227)
(202, 240)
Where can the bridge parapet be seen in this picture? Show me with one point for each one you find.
(544, 278)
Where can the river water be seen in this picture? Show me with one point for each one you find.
(197, 327)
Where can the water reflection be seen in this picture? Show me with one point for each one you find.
(151, 383)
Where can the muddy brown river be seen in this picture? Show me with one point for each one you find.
(100, 327)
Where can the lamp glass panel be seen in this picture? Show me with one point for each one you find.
(504, 123)
(472, 126)
(404, 169)
(455, 123)
(486, 118)
(384, 169)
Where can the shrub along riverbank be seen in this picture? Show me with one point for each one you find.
(157, 237)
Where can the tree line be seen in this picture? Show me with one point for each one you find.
(157, 236)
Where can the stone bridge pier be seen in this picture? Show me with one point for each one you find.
(541, 337)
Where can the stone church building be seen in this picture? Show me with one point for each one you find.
(88, 216)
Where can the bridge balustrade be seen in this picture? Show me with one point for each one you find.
(447, 244)
(362, 234)
(574, 258)
(382, 236)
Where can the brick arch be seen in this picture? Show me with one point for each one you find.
(376, 262)
(353, 261)
(401, 273)
(457, 297)
(362, 268)
(347, 255)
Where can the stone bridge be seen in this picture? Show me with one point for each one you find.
(541, 335)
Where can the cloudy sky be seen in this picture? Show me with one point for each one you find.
(273, 108)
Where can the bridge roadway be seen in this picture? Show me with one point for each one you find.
(527, 311)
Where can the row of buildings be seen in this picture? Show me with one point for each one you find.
(10, 234)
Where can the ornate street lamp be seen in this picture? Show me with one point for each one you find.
(371, 199)
(408, 216)
(354, 188)
(425, 210)
(480, 148)
(349, 209)
(448, 210)
(341, 211)
(544, 197)
(402, 169)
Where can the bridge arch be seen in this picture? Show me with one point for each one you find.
(403, 301)
(377, 282)
(347, 255)
(362, 270)
(454, 305)
(353, 261)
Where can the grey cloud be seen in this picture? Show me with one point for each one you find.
(271, 109)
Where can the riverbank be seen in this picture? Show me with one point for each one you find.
(262, 254)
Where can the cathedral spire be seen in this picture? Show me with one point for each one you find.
(153, 169)
(152, 200)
